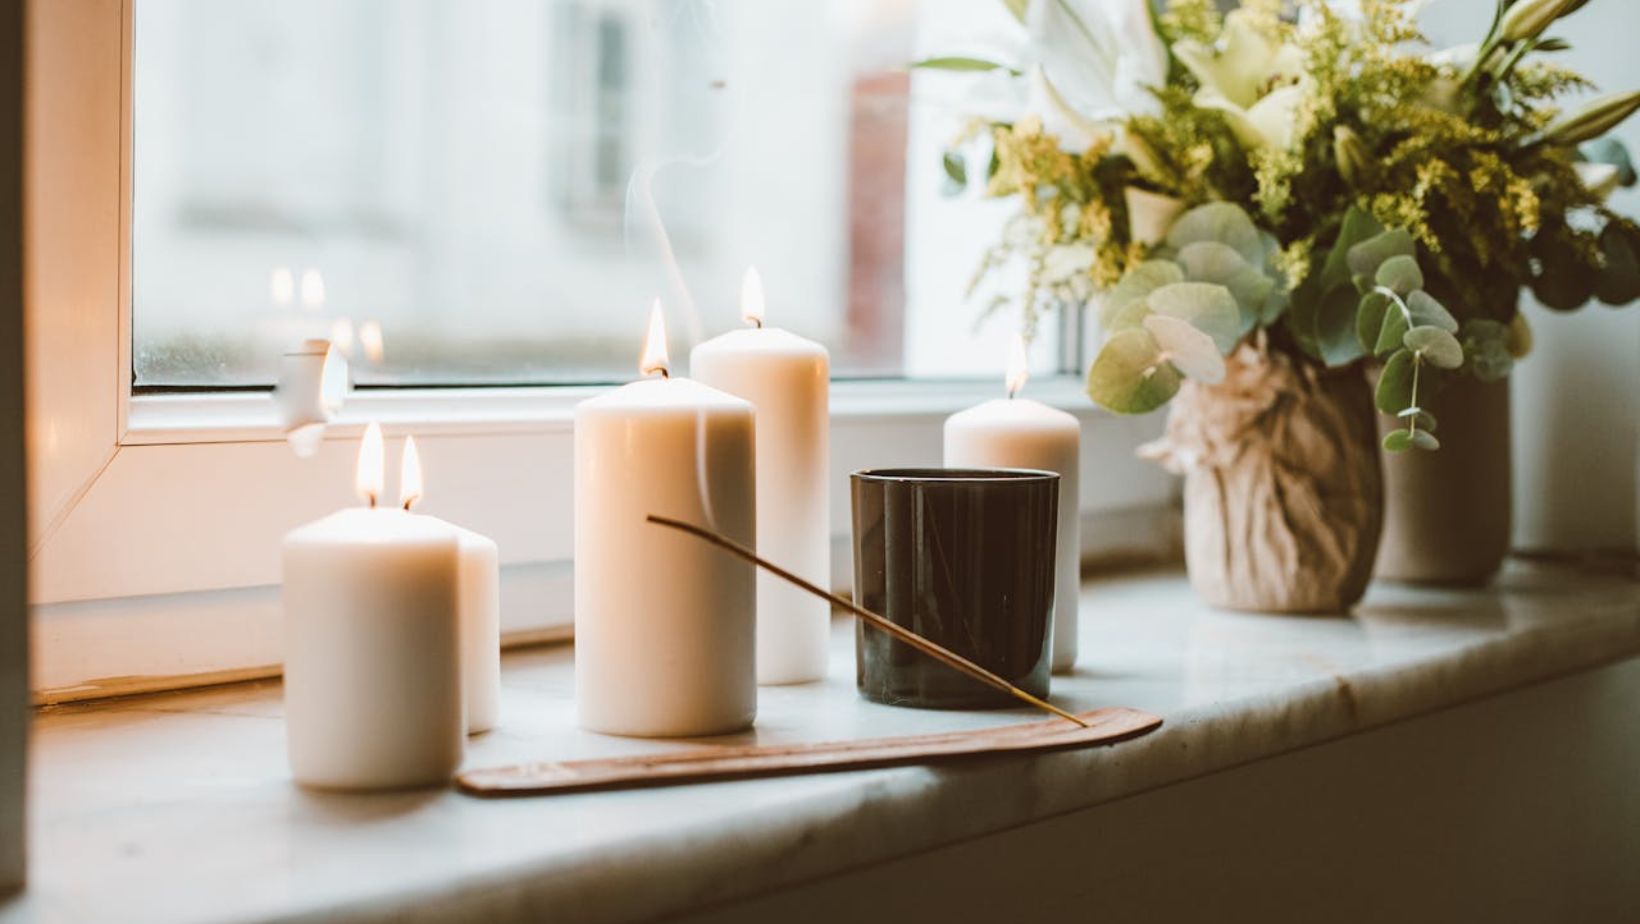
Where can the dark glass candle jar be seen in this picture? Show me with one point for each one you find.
(965, 558)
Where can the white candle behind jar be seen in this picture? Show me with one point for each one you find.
(373, 694)
(788, 380)
(479, 596)
(664, 623)
(1016, 432)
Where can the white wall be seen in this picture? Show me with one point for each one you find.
(1576, 425)
(13, 534)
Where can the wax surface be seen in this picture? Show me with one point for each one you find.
(788, 380)
(373, 693)
(1021, 433)
(664, 623)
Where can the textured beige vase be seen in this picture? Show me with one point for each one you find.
(1447, 513)
(1282, 491)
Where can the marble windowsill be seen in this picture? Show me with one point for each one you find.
(179, 808)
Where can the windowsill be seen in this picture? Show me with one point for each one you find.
(252, 417)
(180, 808)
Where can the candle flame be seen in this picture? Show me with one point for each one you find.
(341, 335)
(370, 340)
(654, 351)
(368, 477)
(410, 486)
(751, 297)
(282, 285)
(313, 289)
(1019, 366)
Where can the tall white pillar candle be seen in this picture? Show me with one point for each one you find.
(373, 696)
(479, 596)
(1020, 433)
(788, 380)
(664, 623)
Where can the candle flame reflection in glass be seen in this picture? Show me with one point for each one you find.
(1019, 366)
(410, 484)
(368, 477)
(370, 340)
(654, 351)
(282, 286)
(751, 297)
(341, 335)
(313, 289)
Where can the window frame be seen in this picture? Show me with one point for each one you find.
(155, 518)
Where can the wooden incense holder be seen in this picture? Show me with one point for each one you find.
(732, 762)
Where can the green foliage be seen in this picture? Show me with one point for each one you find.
(1178, 314)
(1347, 197)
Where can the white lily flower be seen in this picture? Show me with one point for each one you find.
(1097, 60)
(1258, 84)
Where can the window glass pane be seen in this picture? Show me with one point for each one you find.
(493, 191)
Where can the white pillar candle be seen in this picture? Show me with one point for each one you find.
(788, 380)
(373, 694)
(1020, 433)
(664, 623)
(479, 605)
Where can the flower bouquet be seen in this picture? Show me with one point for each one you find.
(1285, 218)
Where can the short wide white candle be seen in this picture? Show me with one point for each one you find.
(373, 694)
(664, 622)
(788, 380)
(1019, 433)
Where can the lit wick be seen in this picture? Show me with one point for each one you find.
(1019, 367)
(410, 487)
(369, 475)
(654, 357)
(751, 297)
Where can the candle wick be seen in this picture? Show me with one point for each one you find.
(665, 373)
(756, 322)
(372, 499)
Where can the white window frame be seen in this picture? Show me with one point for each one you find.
(156, 519)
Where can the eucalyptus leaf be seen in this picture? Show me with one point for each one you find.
(1401, 274)
(1131, 315)
(1423, 439)
(960, 63)
(1137, 283)
(1395, 383)
(1210, 261)
(1222, 223)
(1275, 304)
(1129, 375)
(1369, 318)
(1254, 292)
(1335, 328)
(1192, 351)
(1436, 345)
(1427, 311)
(1358, 228)
(1210, 308)
(1366, 257)
(1398, 441)
(1393, 333)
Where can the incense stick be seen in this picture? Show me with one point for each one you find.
(933, 650)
